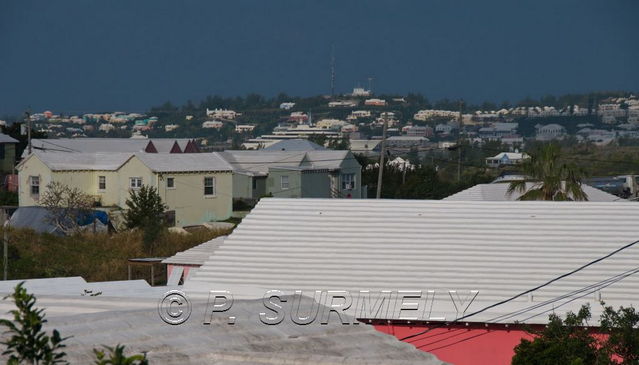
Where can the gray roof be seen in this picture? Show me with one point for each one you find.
(259, 162)
(65, 161)
(496, 248)
(184, 162)
(133, 320)
(106, 145)
(157, 162)
(7, 139)
(294, 145)
(196, 255)
(498, 192)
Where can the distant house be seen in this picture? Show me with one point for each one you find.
(406, 141)
(498, 130)
(294, 145)
(506, 159)
(197, 188)
(7, 153)
(365, 146)
(418, 131)
(444, 128)
(549, 132)
(242, 128)
(287, 106)
(294, 174)
(375, 102)
(213, 124)
(360, 91)
(222, 113)
(342, 104)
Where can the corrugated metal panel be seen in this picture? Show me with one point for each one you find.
(498, 192)
(95, 321)
(112, 145)
(184, 162)
(67, 161)
(497, 248)
(196, 255)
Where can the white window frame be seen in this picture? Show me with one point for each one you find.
(212, 186)
(352, 178)
(32, 185)
(135, 186)
(172, 187)
(100, 182)
(285, 185)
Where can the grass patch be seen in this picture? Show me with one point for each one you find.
(95, 257)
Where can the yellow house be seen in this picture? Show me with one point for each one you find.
(196, 187)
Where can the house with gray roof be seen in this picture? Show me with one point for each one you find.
(196, 187)
(7, 153)
(295, 174)
(115, 145)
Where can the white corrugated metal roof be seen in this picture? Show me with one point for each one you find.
(111, 145)
(196, 255)
(65, 161)
(184, 162)
(497, 248)
(174, 162)
(498, 192)
(259, 161)
(92, 322)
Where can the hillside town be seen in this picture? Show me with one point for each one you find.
(360, 119)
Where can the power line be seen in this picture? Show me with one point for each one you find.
(529, 290)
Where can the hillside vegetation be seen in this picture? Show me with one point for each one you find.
(95, 257)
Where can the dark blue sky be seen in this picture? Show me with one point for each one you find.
(89, 55)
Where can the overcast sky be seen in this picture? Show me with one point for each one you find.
(88, 55)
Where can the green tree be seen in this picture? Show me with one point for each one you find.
(145, 211)
(550, 176)
(565, 341)
(623, 335)
(116, 356)
(65, 206)
(573, 341)
(29, 343)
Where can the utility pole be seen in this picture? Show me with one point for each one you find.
(333, 70)
(27, 115)
(459, 140)
(5, 241)
(381, 159)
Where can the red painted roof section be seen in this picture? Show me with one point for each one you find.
(191, 147)
(150, 148)
(176, 148)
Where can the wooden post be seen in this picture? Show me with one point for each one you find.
(129, 267)
(152, 276)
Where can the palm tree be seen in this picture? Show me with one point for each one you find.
(551, 178)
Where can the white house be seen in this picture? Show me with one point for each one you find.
(505, 159)
(549, 132)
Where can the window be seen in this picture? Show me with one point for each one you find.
(254, 182)
(2, 151)
(284, 182)
(101, 182)
(348, 181)
(170, 183)
(34, 182)
(135, 182)
(209, 186)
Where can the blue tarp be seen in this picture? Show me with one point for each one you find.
(38, 219)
